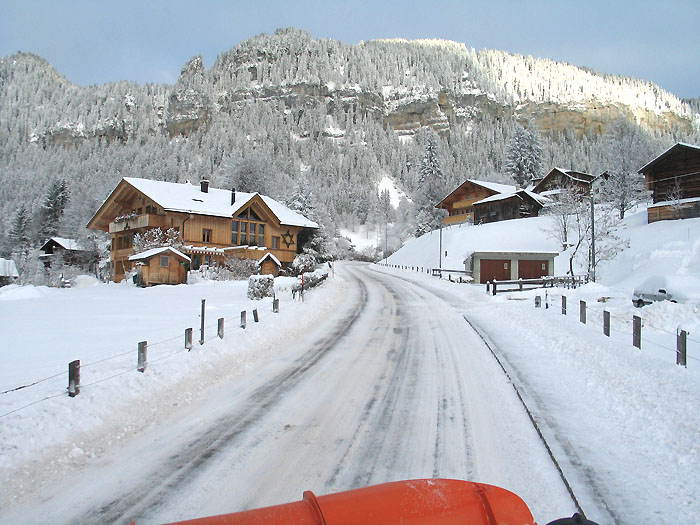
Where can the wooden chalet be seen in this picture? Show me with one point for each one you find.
(164, 265)
(558, 179)
(212, 223)
(674, 180)
(70, 250)
(480, 202)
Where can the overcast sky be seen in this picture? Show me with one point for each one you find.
(95, 41)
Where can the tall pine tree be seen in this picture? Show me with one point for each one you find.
(51, 210)
(524, 154)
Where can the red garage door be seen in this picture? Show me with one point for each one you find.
(491, 269)
(533, 269)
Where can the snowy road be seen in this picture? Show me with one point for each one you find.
(394, 384)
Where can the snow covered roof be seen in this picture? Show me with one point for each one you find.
(270, 256)
(8, 268)
(189, 198)
(669, 151)
(494, 186)
(519, 193)
(158, 251)
(68, 244)
(491, 186)
(671, 203)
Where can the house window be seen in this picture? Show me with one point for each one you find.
(164, 261)
(275, 243)
(206, 235)
(253, 239)
(247, 229)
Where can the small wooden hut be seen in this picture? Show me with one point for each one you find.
(164, 265)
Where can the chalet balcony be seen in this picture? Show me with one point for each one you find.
(458, 219)
(145, 220)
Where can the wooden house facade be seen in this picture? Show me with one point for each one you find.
(674, 181)
(212, 223)
(502, 207)
(558, 179)
(481, 202)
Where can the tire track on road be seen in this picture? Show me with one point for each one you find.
(153, 491)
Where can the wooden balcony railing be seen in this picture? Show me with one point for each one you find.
(145, 220)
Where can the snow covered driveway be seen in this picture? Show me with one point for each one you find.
(393, 384)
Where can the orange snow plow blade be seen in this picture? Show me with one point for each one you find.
(422, 501)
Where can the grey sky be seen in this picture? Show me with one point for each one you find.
(92, 42)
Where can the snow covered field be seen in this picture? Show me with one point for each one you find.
(622, 422)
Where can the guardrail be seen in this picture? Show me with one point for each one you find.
(520, 285)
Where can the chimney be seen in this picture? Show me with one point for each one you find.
(233, 196)
(204, 185)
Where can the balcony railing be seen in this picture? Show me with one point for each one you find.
(456, 219)
(146, 220)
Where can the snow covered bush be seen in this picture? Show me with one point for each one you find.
(303, 263)
(240, 269)
(260, 286)
(156, 238)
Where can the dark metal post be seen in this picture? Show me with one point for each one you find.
(681, 348)
(494, 286)
(606, 323)
(563, 305)
(538, 301)
(276, 306)
(244, 316)
(220, 328)
(255, 315)
(74, 378)
(141, 366)
(637, 331)
(188, 339)
(201, 338)
(582, 311)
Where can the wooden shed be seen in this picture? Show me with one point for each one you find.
(270, 265)
(504, 266)
(160, 266)
(674, 180)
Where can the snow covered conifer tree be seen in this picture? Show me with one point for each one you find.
(524, 154)
(18, 234)
(431, 187)
(51, 210)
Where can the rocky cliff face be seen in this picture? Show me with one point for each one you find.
(404, 85)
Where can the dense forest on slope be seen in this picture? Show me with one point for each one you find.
(286, 111)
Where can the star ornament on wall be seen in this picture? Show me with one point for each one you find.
(287, 239)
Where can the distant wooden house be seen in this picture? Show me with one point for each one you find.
(8, 272)
(480, 202)
(69, 250)
(674, 180)
(212, 223)
(559, 178)
(509, 265)
(164, 265)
